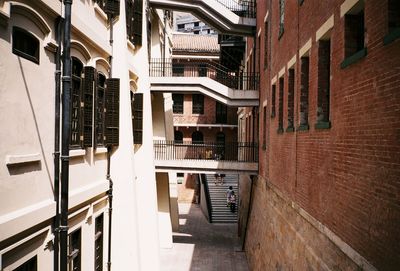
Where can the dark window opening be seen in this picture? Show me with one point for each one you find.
(25, 44)
(202, 70)
(197, 137)
(266, 45)
(197, 104)
(354, 30)
(304, 86)
(220, 151)
(75, 250)
(177, 107)
(264, 128)
(178, 137)
(221, 112)
(100, 110)
(324, 70)
(112, 112)
(138, 118)
(290, 102)
(281, 17)
(273, 101)
(102, 4)
(196, 24)
(76, 114)
(98, 243)
(177, 69)
(196, 32)
(30, 265)
(394, 15)
(181, 26)
(280, 113)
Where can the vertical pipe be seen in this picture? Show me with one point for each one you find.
(65, 137)
(110, 208)
(57, 143)
(109, 148)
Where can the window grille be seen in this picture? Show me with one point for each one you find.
(177, 107)
(100, 110)
(197, 104)
(89, 84)
(138, 118)
(112, 112)
(76, 104)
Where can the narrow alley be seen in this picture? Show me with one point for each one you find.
(200, 245)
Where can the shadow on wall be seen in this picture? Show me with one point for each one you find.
(188, 190)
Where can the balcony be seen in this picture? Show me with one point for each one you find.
(211, 79)
(227, 16)
(237, 157)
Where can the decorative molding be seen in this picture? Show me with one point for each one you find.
(305, 49)
(273, 81)
(292, 62)
(24, 158)
(346, 6)
(281, 72)
(266, 16)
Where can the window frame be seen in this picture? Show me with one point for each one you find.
(18, 41)
(100, 110)
(178, 103)
(73, 252)
(197, 104)
(76, 129)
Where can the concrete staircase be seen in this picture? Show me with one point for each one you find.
(220, 212)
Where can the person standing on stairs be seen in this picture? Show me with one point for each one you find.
(232, 201)
(228, 195)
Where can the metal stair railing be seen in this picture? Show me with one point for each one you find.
(242, 8)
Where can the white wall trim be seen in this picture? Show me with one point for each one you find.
(346, 6)
(306, 47)
(281, 72)
(292, 62)
(23, 158)
(324, 29)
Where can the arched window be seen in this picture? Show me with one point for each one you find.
(25, 44)
(178, 137)
(76, 119)
(197, 137)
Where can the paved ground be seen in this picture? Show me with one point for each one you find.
(200, 246)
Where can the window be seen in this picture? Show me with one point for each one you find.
(281, 17)
(220, 151)
(280, 116)
(265, 45)
(30, 265)
(100, 110)
(304, 86)
(177, 69)
(202, 70)
(75, 114)
(196, 32)
(25, 44)
(75, 250)
(134, 20)
(181, 26)
(197, 137)
(393, 21)
(264, 128)
(290, 102)
(88, 91)
(273, 98)
(178, 137)
(221, 113)
(197, 104)
(98, 243)
(324, 62)
(354, 35)
(138, 118)
(177, 107)
(196, 24)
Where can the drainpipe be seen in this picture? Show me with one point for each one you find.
(56, 155)
(110, 206)
(65, 137)
(109, 149)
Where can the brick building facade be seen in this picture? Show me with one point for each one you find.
(327, 194)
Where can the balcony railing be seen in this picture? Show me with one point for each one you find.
(219, 73)
(231, 151)
(242, 8)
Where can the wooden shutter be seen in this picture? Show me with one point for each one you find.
(112, 7)
(89, 83)
(112, 112)
(137, 22)
(138, 118)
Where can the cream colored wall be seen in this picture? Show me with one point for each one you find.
(165, 227)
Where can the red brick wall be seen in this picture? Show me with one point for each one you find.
(348, 176)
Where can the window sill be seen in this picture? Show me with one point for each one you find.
(99, 11)
(323, 125)
(77, 153)
(354, 58)
(391, 36)
(131, 46)
(280, 130)
(100, 150)
(289, 129)
(303, 127)
(25, 158)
